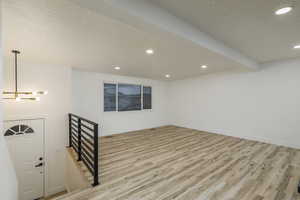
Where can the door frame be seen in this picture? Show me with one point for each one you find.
(12, 118)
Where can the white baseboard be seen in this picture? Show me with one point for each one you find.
(281, 142)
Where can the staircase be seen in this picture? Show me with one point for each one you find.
(84, 140)
(83, 158)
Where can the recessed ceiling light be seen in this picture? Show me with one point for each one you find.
(283, 10)
(168, 76)
(117, 68)
(297, 46)
(204, 66)
(150, 51)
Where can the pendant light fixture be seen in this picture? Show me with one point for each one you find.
(21, 95)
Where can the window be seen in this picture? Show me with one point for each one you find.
(126, 97)
(110, 97)
(19, 130)
(147, 97)
(129, 97)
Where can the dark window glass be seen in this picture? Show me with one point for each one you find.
(15, 128)
(23, 127)
(129, 97)
(9, 133)
(110, 97)
(147, 97)
(18, 130)
(29, 130)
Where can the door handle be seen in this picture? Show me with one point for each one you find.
(39, 165)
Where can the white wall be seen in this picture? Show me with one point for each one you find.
(8, 180)
(54, 107)
(262, 105)
(88, 98)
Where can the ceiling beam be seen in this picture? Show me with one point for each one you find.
(155, 15)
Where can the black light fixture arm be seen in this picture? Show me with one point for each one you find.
(15, 94)
(16, 52)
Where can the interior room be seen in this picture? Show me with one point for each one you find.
(150, 100)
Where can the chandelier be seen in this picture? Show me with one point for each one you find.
(21, 95)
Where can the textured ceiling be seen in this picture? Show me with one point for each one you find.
(249, 26)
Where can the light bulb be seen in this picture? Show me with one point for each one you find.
(283, 10)
(34, 93)
(18, 99)
(150, 51)
(37, 99)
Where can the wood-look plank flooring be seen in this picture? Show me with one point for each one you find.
(184, 164)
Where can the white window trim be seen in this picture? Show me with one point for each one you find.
(143, 97)
(103, 99)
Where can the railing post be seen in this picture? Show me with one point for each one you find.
(70, 130)
(96, 160)
(79, 139)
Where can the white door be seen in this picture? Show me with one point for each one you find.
(25, 140)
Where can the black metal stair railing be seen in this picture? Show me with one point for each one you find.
(83, 138)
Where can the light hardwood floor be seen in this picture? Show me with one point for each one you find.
(55, 195)
(184, 164)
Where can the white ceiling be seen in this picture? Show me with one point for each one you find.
(94, 36)
(249, 26)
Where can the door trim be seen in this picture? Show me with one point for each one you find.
(24, 117)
